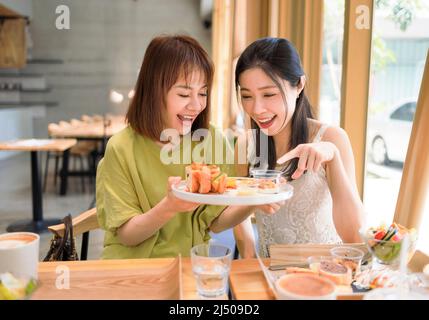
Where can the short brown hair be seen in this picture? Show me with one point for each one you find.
(165, 60)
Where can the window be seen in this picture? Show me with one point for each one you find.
(399, 52)
(330, 85)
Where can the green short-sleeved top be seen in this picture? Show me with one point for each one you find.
(132, 179)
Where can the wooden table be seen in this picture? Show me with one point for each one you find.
(37, 224)
(247, 282)
(88, 279)
(246, 279)
(86, 283)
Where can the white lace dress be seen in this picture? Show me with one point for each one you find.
(305, 218)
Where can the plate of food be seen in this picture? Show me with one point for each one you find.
(207, 184)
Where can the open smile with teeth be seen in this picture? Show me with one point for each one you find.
(184, 118)
(266, 122)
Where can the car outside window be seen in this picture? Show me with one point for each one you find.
(405, 112)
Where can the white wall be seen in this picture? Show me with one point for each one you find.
(16, 123)
(102, 50)
(23, 7)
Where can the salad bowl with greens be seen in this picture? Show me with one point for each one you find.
(385, 242)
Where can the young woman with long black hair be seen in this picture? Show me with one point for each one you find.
(317, 159)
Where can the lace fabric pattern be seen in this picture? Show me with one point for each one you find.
(305, 218)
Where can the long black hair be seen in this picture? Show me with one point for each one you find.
(278, 58)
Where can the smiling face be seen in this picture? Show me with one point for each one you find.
(185, 101)
(263, 101)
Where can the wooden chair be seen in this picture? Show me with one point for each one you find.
(76, 123)
(87, 221)
(82, 150)
(86, 118)
(82, 224)
(97, 118)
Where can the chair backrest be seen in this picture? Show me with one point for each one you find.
(53, 129)
(64, 124)
(76, 122)
(84, 222)
(87, 119)
(97, 117)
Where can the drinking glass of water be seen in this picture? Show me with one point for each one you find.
(211, 264)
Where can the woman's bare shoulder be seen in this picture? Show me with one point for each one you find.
(313, 128)
(335, 134)
(332, 133)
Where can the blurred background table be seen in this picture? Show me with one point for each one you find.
(37, 224)
(96, 129)
(99, 128)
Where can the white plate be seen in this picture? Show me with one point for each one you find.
(230, 197)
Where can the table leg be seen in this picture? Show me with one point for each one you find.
(64, 172)
(37, 225)
(36, 187)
